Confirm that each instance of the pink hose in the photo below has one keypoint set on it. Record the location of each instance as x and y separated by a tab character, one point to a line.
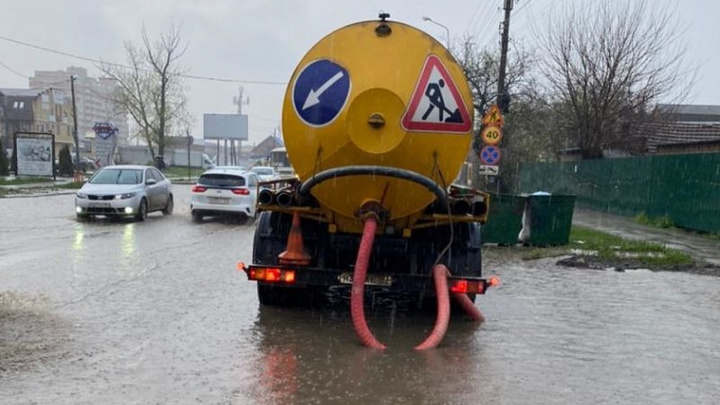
440	273
469	307
357	309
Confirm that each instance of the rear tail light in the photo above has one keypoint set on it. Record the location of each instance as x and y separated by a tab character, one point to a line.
241	191
271	275
467	286
199	189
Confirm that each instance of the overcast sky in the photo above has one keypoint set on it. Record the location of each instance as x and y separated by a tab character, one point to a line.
263	40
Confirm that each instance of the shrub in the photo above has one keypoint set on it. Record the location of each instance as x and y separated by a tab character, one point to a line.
4	170
65	167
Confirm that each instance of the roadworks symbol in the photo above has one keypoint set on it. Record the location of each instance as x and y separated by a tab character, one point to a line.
436	104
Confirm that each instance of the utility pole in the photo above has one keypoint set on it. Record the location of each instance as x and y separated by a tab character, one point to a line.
503	99
239	102
75	130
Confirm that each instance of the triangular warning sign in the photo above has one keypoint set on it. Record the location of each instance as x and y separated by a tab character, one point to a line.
436	104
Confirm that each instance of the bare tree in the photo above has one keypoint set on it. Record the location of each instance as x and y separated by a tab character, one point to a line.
607	63
482	69
526	133
150	88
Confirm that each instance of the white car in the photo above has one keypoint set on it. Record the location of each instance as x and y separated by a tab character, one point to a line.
224	191
265	173
124	191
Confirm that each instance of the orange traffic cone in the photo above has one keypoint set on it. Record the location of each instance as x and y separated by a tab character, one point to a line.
295	251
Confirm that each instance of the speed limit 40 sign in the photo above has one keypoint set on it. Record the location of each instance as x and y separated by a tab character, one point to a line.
491	135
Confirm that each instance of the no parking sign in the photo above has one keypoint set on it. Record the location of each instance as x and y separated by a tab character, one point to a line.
490	155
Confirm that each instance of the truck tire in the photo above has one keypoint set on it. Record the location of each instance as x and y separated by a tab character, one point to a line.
270	240
463	259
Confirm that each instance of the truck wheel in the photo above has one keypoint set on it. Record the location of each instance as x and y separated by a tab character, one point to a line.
464	259
268	295
270	240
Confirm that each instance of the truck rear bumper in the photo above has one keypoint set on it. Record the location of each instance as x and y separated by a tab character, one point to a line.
306	277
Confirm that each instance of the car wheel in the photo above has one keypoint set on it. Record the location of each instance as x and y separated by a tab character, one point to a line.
142	211
82	217
196	216
169	206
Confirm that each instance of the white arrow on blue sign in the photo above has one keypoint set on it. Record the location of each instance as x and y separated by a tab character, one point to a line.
320	92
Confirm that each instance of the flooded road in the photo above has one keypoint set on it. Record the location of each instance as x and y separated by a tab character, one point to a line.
155	312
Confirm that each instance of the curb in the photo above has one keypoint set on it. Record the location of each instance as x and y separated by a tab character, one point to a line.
35	195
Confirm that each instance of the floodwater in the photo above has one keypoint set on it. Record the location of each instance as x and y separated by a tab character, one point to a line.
155	312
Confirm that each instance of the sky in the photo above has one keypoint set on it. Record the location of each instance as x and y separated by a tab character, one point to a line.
263	40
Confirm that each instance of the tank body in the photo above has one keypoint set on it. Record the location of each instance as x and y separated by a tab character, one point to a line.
362	97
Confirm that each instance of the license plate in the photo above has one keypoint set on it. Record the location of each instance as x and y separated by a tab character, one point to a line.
370	279
218	200
99	205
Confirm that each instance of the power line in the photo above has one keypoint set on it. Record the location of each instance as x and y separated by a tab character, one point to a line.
472	16
47	86
13	70
87	59
521	8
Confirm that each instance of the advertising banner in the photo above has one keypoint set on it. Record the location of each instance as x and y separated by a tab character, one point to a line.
35	154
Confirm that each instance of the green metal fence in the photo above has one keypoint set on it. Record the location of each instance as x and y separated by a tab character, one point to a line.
685	188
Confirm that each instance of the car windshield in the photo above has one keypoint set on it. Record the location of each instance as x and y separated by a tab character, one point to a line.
263	171
221	180
117	176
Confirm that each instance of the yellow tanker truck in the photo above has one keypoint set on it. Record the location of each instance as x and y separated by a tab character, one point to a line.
378	120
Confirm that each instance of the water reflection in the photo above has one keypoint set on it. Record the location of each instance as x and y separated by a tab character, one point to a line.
553	335
128	244
313	356
78	238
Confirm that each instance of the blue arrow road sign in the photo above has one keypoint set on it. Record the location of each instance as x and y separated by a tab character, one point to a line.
490	155
320	92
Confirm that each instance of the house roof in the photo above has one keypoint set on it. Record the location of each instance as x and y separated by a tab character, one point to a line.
263	148
679	133
689	112
8	92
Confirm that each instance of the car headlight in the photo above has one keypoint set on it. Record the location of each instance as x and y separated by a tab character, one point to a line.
124	196
81	195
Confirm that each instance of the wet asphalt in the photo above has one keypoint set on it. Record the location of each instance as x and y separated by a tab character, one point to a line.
156	313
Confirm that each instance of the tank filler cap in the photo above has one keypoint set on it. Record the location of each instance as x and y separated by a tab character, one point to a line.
383	29
376	120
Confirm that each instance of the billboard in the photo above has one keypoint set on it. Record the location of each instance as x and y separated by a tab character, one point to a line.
225	126
35	154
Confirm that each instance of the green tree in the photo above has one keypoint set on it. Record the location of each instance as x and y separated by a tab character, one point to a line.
65	162
4	170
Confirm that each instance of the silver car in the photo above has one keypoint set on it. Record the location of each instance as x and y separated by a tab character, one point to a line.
125	191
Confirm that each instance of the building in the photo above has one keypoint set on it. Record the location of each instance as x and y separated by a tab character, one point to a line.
689	113
17	113
28	110
683	128
92	98
263	149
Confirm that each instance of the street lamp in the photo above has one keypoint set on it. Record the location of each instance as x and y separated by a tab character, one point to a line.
447	31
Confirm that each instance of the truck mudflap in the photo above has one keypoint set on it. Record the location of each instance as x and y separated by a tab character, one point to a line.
304	277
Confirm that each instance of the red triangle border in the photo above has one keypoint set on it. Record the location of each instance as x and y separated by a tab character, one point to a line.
419	92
